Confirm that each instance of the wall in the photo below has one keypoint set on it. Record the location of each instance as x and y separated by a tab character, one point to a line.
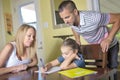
6	9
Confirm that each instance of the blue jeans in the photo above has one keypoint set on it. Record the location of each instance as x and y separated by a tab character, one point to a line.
112	56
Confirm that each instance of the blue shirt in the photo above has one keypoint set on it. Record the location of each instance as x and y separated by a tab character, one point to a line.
79	62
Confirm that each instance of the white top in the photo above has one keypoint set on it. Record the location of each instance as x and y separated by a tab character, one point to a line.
13	59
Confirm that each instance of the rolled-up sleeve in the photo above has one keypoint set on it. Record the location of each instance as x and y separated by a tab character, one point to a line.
79	63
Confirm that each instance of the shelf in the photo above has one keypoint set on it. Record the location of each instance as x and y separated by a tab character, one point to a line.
63	37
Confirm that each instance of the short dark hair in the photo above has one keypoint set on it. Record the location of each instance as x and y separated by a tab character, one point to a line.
71	43
67	4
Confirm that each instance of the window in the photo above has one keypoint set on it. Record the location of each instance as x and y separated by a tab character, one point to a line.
28	14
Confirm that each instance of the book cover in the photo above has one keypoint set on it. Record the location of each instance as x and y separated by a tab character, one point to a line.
77	72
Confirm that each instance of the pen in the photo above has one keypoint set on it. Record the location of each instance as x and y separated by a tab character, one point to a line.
42	63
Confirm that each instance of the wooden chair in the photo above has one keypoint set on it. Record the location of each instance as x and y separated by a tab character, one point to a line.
93	55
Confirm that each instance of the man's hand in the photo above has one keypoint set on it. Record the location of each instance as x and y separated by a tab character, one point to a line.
105	44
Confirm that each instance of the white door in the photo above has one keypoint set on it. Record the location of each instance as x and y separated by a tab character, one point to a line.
19	8
2	28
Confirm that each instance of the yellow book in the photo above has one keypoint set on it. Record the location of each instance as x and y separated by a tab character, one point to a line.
77	72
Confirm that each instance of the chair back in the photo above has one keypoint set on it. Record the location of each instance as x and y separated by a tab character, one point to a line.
93	55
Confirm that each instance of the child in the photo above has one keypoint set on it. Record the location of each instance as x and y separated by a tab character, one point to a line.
70	57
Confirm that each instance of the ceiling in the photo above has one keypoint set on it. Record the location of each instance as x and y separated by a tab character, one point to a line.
109	5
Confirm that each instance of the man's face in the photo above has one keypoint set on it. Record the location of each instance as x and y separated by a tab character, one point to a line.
68	16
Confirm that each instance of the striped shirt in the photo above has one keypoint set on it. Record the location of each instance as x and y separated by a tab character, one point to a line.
93	27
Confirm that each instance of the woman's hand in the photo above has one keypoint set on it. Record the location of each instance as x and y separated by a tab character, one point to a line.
20	68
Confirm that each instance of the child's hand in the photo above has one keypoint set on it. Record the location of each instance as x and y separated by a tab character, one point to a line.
71	54
77	57
43	69
67	55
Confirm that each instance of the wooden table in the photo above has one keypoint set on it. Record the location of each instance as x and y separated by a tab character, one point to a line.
31	75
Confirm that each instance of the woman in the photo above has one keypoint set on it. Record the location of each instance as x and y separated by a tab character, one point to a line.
19	54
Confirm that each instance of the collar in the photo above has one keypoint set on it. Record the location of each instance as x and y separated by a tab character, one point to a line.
82	20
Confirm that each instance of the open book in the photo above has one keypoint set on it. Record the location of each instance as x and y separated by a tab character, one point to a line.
77	72
52	70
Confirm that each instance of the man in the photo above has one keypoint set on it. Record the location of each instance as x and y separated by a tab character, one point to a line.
93	27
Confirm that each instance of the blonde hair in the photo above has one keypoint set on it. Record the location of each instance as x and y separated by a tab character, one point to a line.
19	41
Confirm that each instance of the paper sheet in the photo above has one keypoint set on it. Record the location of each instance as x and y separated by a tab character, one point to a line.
52	70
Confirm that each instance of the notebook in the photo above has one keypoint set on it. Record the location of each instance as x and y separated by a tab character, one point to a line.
52	70
77	72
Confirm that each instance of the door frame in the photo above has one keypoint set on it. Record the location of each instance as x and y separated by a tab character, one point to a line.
2	32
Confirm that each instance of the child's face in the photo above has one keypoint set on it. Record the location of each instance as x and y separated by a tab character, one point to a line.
66	51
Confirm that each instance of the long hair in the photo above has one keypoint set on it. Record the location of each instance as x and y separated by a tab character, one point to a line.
71	43
68	5
19	38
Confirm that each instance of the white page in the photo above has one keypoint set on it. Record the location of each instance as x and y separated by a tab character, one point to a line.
52	70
